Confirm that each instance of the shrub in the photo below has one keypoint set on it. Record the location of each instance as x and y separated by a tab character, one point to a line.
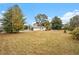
75	33
65	31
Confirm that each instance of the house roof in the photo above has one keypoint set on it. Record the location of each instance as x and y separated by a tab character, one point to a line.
36	24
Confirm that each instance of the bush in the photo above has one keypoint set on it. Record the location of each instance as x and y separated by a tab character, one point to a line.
26	27
65	31
75	33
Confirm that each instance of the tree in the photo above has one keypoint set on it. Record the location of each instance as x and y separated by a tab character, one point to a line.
56	23
66	26
46	24
13	19
41	18
26	27
30	27
74	22
75	33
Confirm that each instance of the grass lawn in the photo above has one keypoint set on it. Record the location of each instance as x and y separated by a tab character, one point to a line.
38	42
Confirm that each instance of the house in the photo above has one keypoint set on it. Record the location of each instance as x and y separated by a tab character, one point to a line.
37	26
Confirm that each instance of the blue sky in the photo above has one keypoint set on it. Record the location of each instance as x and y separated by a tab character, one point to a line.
30	10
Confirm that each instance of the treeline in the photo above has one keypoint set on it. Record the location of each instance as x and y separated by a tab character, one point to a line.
14	20
55	24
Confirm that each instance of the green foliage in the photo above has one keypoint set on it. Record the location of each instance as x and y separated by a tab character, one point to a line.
13	20
65	31
46	24
75	33
74	22
66	26
56	23
41	18
25	27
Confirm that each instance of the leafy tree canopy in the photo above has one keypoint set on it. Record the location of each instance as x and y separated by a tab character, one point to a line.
13	20
56	23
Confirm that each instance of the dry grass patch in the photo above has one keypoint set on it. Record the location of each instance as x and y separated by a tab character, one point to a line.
38	42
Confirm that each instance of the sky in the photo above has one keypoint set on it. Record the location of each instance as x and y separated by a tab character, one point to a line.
63	10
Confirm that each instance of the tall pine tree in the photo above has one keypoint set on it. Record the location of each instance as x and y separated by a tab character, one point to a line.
13	20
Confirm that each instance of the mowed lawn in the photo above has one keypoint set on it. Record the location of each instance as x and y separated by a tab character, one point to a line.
38	42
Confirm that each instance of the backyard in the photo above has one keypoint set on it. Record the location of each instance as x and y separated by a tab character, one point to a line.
38	42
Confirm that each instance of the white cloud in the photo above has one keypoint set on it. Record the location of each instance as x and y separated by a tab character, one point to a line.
1	16
66	17
2	12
